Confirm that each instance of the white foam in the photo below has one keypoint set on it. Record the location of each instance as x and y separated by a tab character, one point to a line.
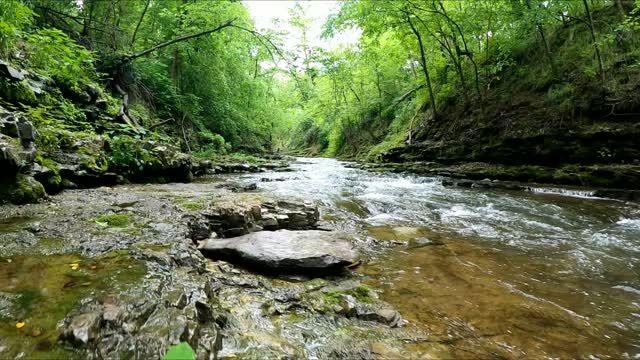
383	219
627	289
564	192
629	223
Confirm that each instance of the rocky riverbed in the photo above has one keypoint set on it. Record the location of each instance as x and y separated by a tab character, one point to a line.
362	265
116	272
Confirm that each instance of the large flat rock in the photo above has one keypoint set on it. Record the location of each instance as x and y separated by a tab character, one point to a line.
285	250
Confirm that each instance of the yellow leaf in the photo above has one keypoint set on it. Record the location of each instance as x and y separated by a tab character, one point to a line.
20	324
74	266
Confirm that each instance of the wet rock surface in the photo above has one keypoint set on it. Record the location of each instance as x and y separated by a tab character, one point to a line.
116	273
286	251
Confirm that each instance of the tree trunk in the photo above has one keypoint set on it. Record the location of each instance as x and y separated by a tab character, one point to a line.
467	52
123	113
547	49
408	94
174	68
432	97
184	134
595	41
135	32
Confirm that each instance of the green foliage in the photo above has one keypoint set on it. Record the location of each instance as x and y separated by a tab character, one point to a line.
128	154
115	220
632	20
356	106
182	351
415	66
562	97
51	52
14	18
211	145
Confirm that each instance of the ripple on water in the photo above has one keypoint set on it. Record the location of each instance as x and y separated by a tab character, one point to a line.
567	258
382	219
627	289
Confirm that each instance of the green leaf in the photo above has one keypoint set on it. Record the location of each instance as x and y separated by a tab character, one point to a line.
182	351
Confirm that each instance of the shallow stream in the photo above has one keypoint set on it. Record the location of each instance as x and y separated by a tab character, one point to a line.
485	272
477	273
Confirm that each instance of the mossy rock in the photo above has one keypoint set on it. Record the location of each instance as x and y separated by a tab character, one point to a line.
17	92
115	220
21	189
51	180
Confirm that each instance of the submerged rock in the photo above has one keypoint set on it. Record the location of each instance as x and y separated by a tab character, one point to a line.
286	251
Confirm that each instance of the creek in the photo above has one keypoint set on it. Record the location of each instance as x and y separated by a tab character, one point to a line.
475	273
545	274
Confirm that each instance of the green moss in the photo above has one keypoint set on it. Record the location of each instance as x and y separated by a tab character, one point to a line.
153	247
332	297
17	92
93	158
362	293
53	136
193	206
53	183
132	231
118	254
21	189
115	220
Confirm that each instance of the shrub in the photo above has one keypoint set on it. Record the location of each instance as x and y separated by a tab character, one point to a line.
14	17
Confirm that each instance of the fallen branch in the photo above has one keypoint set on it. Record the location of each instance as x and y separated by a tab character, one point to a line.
161	123
408	94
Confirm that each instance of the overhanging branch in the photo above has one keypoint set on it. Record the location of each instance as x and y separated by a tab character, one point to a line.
173	41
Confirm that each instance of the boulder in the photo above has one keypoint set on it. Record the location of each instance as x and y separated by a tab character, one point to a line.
81	328
286	251
20	189
17	147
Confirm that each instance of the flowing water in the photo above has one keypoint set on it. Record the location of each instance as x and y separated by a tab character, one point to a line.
487	273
